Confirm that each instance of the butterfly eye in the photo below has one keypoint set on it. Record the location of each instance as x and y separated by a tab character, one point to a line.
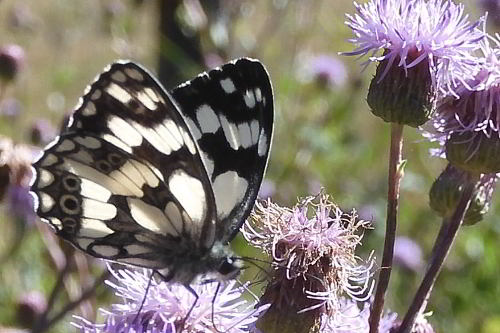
228	268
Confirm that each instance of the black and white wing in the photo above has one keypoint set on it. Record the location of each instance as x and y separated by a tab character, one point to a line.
144	178
125	180
229	111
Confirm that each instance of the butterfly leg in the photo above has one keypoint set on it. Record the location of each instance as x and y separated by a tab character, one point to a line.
144	298
196	297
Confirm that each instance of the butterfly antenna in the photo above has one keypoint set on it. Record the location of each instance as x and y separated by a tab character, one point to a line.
144	298
253	260
288	269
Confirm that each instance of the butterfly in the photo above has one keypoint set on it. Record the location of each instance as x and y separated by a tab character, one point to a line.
157	179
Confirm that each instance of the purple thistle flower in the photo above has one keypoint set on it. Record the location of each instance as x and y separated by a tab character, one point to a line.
20	203
408	254
42	131
325	69
312	247
409	32
166	305
425	51
468	127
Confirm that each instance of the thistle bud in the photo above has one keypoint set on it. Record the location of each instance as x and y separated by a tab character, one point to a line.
446	191
402	95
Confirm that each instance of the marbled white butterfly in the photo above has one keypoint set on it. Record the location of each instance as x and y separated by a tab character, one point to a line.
160	180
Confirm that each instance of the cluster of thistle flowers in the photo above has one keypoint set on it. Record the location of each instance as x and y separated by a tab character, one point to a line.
441	72
316	281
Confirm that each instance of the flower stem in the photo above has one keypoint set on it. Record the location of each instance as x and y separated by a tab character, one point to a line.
44	324
396	168
446	236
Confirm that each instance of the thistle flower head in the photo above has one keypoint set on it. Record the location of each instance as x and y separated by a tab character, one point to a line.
166	306
412	31
424	49
468	126
324	69
312	247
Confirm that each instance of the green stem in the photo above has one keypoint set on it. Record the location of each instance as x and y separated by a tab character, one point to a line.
444	241
396	166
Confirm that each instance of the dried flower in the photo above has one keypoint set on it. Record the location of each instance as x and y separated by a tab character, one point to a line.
312	247
166	306
11	61
468	126
426	48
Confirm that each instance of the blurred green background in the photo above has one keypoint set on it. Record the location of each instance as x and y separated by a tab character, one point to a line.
324	133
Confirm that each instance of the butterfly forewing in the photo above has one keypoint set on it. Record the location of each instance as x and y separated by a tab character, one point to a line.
229	110
144	178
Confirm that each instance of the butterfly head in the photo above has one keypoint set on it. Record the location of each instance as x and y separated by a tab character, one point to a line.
226	265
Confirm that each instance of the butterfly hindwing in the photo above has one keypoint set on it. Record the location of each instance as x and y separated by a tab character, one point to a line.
108	203
229	110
